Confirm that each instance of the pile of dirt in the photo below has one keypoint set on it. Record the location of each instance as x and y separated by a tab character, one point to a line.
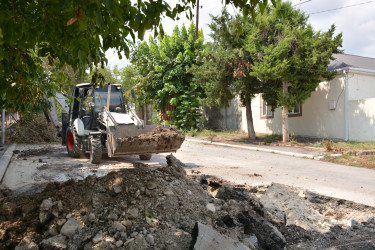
163	208
135	208
33	129
160	139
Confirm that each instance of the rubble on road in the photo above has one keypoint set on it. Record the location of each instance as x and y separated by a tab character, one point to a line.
33	129
163	208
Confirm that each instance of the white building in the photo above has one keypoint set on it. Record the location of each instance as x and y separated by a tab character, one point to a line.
343	108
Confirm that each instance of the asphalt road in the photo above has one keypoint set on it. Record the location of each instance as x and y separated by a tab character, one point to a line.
240	166
245	166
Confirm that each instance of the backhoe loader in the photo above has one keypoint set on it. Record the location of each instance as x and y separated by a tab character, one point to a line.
100	122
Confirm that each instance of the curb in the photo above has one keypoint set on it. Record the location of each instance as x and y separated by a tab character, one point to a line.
255	149
5	159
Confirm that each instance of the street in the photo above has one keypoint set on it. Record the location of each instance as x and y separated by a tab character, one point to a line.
232	164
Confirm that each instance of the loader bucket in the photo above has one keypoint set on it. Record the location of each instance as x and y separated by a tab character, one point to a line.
129	139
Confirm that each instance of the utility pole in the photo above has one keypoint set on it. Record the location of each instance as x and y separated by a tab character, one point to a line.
196	21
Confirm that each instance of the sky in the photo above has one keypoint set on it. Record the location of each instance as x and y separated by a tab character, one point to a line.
354	18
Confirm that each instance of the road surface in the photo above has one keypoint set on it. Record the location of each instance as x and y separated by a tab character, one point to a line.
240	166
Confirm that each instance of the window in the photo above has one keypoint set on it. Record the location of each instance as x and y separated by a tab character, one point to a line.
296	111
265	110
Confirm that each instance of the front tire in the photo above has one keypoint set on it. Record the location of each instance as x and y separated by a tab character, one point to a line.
146	157
96	150
73	143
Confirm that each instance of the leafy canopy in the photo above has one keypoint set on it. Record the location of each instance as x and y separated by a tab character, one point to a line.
284	47
164	65
76	33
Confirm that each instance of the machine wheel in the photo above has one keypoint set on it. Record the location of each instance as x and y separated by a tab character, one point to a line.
145	157
73	143
96	150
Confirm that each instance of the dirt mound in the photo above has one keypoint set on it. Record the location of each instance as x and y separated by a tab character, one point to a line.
160	139
135	208
163	208
31	130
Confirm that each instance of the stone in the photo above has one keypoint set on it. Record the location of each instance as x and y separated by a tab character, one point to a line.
27	244
60	222
113	216
211	207
151	185
168	193
228	221
133	212
98	237
128	242
71	227
118	226
117	188
9	210
91	217
137	193
126	223
55	242
189	192
150	239
46	204
356	225
60	206
43	217
119	243
52	230
206	238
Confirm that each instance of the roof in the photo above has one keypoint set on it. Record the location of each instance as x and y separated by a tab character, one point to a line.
345	60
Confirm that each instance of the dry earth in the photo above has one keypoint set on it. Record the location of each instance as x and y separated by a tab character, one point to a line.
145	208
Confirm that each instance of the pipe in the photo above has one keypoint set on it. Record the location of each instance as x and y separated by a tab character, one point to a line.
346	107
109	96
3	127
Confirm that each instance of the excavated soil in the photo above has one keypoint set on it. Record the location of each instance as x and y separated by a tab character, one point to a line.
31	130
160	139
144	208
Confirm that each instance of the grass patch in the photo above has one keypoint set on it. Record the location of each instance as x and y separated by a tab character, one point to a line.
352	145
209	133
365	161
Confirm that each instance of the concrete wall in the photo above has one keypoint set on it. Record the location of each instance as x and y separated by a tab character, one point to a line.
361	102
316	120
224	118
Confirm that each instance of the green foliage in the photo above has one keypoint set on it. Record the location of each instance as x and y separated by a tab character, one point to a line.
284	47
268	140
226	67
75	33
128	76
165	78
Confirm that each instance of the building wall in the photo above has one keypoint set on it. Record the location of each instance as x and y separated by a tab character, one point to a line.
224	118
361	107
317	118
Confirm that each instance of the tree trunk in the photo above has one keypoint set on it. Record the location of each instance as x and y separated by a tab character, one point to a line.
249	119
285	115
149	114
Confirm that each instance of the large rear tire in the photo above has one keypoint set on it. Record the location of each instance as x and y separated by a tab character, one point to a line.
146	157
73	143
96	150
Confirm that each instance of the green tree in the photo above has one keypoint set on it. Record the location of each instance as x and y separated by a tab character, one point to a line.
290	56
128	76
225	71
77	33
165	76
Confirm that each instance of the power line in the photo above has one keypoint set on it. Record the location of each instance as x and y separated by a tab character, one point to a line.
302	2
353	5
